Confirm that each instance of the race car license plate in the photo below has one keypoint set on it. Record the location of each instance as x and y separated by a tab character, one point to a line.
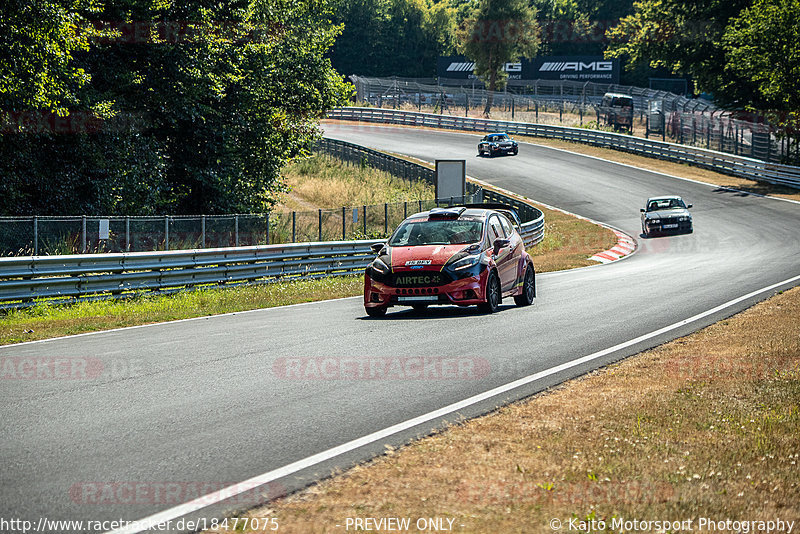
670	226
421	298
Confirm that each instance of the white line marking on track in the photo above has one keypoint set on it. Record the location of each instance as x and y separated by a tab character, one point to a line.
270	476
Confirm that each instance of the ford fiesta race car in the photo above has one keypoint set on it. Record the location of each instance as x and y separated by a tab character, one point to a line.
460	255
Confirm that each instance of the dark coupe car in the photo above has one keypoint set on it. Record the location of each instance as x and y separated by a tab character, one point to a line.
494	144
459	255
666	214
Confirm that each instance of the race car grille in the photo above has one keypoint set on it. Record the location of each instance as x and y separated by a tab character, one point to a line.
419	279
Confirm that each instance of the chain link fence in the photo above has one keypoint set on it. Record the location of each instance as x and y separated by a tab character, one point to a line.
693	122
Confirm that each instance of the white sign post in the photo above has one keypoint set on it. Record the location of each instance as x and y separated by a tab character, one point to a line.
103	229
451	179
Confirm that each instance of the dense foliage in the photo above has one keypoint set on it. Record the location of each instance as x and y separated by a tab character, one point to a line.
162	107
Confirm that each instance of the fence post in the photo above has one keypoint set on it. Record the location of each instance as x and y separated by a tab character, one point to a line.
267	228
166	232
320	224
203	231
344	224
420	205
385	217
405	210
294	226
236	230
365	222
35	235
83	234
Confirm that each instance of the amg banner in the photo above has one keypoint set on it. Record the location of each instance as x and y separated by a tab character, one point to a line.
575	68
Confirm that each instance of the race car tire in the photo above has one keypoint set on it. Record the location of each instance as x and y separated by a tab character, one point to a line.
493	295
528	289
376	312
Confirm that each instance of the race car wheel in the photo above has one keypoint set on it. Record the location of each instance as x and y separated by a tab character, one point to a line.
528	289
376	312
516	151
493	295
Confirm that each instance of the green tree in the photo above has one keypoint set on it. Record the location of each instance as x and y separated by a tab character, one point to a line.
500	31
38	40
202	105
683	36
762	45
392	37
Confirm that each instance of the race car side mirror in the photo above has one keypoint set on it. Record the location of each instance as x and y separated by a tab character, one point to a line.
376	247
688	206
500	243
642	210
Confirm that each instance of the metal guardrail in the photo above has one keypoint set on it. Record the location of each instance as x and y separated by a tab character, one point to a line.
27	279
75	276
749	168
360	155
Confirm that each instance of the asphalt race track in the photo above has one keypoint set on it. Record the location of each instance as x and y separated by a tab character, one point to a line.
170	409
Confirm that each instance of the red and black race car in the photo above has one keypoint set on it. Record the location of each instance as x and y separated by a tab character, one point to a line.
459	255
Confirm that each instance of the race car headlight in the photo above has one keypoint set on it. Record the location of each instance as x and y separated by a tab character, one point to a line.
654	221
683	219
380	266
466	262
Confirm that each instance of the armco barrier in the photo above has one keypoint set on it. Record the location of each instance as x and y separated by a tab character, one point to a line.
749	168
24	279
76	276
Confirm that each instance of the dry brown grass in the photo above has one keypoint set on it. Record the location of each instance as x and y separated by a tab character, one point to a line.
569	242
707	426
321	182
675	169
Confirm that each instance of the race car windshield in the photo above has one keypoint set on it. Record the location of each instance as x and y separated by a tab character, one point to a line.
496	138
440	232
666	204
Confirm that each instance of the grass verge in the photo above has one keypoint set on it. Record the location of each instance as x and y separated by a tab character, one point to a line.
706	427
323	182
48	321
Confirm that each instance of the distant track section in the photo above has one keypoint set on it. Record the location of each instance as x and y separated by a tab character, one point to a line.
749	168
